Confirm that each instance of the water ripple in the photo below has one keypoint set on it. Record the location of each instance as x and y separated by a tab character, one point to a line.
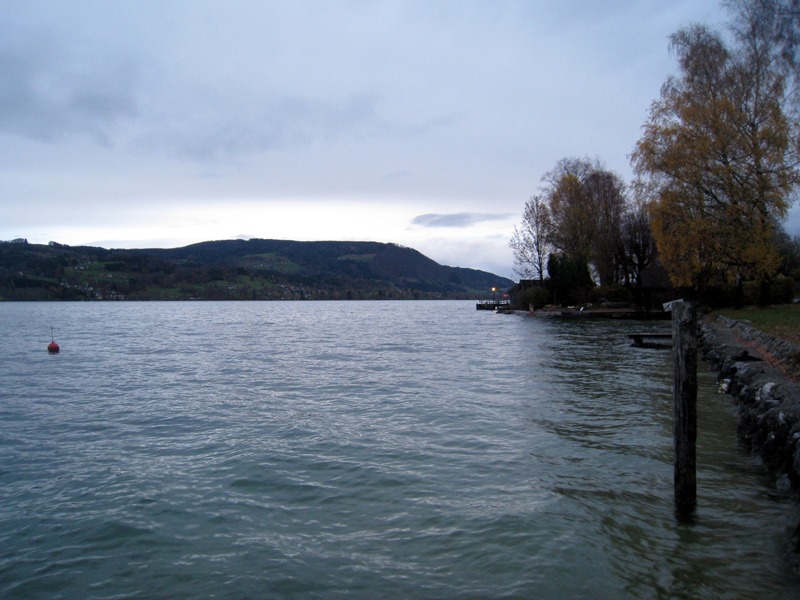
358	450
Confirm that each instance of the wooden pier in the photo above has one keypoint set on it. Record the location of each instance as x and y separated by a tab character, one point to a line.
493	305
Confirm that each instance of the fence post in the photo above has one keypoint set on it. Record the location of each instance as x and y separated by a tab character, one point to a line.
684	353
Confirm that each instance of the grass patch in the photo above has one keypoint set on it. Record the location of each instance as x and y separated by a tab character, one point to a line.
781	321
358	257
271	263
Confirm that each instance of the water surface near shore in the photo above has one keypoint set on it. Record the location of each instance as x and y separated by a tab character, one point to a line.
361	450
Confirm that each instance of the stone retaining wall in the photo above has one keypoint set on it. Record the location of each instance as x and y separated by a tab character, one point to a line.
756	369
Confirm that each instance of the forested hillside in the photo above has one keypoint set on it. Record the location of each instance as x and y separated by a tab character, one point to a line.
234	270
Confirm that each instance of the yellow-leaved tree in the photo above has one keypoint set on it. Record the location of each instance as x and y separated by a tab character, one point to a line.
721	155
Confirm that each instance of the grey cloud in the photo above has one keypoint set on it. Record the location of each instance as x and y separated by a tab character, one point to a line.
221	128
458	220
43	96
48	93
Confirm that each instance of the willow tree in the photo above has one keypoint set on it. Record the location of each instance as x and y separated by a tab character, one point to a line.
572	222
722	157
587	204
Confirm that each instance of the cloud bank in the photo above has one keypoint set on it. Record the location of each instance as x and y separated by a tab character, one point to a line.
457	220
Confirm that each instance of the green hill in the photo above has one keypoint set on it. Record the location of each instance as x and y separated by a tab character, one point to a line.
234	270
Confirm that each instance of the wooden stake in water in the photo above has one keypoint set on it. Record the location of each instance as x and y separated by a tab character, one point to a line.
684	353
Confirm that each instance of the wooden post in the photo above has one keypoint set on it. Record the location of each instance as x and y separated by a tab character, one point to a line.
684	352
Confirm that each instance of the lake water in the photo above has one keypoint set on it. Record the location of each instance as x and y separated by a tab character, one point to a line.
361	450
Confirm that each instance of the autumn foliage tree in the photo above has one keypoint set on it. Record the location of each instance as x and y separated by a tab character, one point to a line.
578	215
572	224
721	154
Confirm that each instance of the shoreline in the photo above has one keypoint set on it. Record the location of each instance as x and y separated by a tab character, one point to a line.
757	371
760	373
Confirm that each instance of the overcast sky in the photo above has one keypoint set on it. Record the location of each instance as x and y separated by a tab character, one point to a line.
427	123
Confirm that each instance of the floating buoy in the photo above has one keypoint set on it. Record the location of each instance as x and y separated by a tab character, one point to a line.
52	347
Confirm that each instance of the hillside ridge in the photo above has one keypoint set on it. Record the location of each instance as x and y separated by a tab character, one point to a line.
254	269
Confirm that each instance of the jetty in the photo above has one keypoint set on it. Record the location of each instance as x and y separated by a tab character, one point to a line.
493	305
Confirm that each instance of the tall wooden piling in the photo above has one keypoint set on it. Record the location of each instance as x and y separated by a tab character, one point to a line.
684	352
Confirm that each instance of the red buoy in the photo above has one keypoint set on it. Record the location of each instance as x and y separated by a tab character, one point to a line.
52	347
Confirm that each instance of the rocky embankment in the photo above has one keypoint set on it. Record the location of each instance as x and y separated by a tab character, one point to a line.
760	372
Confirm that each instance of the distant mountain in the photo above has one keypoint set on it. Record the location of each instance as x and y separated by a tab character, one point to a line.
234	270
